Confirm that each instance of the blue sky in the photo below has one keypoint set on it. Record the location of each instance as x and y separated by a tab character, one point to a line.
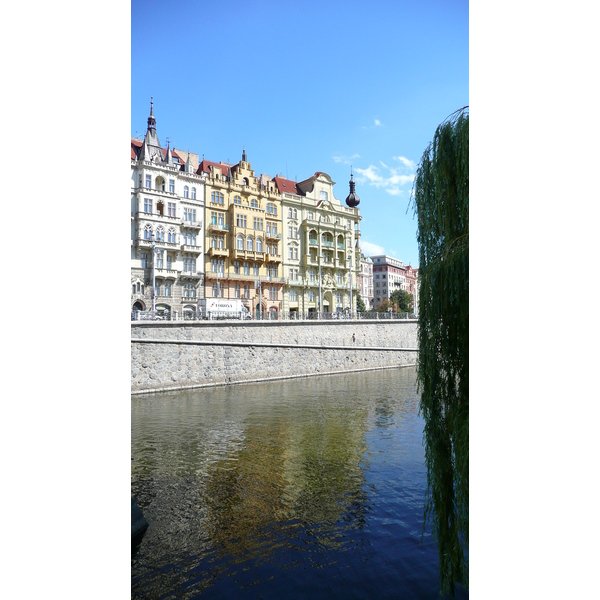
306	87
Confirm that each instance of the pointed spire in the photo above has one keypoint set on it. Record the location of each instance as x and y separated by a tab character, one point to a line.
151	119
152	148
352	200
244	159
169	155
188	164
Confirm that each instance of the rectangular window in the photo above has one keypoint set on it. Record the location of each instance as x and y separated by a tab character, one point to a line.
237	290
246	291
236	267
144	258
171	209
168	289
147	205
258	223
172	186
148	181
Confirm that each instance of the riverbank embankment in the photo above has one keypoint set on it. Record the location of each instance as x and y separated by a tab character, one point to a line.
179	355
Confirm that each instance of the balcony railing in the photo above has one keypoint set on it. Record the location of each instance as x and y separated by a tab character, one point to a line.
218	251
191	275
191	248
191	224
218	227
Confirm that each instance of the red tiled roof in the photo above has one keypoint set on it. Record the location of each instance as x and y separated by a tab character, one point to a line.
205	165
135	143
285	185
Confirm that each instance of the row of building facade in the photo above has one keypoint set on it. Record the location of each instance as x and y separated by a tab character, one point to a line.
202	229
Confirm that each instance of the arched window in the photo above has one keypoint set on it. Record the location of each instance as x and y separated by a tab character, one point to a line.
253	202
160	234
250	244
237	200
148	232
193	193
240	242
171	236
259	245
186	191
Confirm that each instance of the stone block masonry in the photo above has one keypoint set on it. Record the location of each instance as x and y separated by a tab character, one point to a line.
178	355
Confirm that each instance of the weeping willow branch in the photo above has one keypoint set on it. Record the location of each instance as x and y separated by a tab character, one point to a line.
441	203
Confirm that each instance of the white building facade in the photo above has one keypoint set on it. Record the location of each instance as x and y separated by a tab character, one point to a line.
321	260
167	238
365	282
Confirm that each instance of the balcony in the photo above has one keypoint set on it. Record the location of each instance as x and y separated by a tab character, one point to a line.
247	255
190	248
191	224
166	273
218	227
273	258
272	235
218	252
193	275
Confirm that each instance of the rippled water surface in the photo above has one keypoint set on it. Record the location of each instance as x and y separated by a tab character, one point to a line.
311	488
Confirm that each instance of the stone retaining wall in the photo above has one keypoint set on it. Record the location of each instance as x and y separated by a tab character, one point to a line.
176	355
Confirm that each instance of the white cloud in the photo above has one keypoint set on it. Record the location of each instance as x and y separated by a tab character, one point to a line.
391	179
345	160
369	249
406	162
377	123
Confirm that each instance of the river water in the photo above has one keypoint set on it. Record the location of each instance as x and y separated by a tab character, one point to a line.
309	488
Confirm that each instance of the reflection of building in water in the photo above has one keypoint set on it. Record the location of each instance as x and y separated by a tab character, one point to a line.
242	470
303	471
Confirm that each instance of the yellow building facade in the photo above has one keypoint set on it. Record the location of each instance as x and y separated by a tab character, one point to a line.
243	237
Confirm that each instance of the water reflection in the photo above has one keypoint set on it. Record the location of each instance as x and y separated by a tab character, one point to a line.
279	488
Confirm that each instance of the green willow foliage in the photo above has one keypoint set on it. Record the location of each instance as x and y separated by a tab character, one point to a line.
441	203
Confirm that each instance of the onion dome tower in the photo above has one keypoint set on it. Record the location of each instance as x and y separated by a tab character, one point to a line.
352	200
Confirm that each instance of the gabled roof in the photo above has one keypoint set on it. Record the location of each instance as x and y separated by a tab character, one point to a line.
135	146
286	185
205	166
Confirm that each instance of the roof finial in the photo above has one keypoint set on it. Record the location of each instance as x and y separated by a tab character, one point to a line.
244	154
352	200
